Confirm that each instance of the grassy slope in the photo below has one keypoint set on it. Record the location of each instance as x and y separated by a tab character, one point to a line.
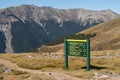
77	65
107	35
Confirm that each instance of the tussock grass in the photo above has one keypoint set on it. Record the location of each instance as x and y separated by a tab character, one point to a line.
83	74
40	63
17	72
21	75
25	77
77	65
1	64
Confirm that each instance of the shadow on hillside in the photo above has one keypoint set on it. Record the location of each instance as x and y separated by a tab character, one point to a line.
95	67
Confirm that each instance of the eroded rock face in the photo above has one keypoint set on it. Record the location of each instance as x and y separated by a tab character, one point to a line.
26	27
6	31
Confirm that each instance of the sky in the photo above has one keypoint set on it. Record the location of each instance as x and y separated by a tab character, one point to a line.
114	5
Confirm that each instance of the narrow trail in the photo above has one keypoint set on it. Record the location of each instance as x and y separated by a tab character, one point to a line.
56	75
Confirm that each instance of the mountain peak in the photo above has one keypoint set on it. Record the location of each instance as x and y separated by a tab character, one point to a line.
27	27
29	5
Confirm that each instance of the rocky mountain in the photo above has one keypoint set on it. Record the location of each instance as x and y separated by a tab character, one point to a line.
104	36
26	27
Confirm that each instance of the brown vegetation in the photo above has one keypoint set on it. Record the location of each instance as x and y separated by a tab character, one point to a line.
106	61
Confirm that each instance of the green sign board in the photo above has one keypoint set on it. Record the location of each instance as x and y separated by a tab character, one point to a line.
75	47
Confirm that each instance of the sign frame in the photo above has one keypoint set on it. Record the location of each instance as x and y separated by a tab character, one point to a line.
67	51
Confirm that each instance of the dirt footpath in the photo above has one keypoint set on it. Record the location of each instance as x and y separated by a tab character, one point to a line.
56	75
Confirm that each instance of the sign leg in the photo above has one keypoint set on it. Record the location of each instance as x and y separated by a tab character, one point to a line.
88	56
65	54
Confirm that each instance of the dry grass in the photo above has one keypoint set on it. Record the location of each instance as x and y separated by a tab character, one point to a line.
50	49
25	77
21	75
77	65
1	65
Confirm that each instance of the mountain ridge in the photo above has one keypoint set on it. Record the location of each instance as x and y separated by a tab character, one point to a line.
27	27
106	37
